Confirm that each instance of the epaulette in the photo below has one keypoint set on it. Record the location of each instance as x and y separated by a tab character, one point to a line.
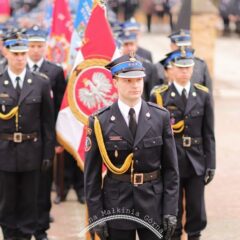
199	59
161	89
100	111
41	75
201	87
156	106
53	64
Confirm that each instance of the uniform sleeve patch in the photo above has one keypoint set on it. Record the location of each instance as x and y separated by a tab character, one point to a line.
88	144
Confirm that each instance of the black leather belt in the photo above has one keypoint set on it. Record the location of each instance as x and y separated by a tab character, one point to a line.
18	137
188	141
136	178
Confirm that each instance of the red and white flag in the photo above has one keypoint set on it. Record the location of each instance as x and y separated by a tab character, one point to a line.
90	85
60	36
4	8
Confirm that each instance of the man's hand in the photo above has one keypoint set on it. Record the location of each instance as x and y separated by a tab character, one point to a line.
59	149
169	225
101	230
209	175
46	164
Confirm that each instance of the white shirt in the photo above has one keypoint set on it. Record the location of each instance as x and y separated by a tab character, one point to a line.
13	77
180	88
31	63
124	109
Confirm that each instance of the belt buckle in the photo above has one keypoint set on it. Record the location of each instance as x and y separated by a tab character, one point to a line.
138	179
187	141
17	137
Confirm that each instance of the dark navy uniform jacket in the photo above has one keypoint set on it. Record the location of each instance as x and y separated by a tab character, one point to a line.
56	77
35	115
199	124
153	149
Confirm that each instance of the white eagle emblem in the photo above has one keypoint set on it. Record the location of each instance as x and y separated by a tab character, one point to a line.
97	93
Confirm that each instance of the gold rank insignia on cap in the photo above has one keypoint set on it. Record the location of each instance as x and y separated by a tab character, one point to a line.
6	82
173	94
183	52
132	57
182	32
29	80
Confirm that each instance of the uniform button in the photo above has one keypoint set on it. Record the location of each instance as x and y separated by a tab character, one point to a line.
136	148
186	126
20	127
34	99
136	161
154	142
19	115
115	146
186	117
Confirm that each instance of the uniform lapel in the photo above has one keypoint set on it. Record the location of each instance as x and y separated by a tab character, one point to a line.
192	100
8	86
27	86
143	123
119	124
43	68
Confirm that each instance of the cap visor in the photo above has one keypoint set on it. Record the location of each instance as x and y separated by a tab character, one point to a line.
36	39
132	74
184	63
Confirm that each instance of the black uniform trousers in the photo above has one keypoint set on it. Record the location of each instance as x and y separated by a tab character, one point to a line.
119	234
18	203
73	175
44	202
196	221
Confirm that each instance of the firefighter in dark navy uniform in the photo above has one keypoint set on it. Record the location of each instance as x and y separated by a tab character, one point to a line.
200	71
129	44
192	120
132	26
37	63
134	140
26	139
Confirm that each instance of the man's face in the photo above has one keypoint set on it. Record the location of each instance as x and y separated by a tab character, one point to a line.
129	47
129	89
36	50
182	75
16	61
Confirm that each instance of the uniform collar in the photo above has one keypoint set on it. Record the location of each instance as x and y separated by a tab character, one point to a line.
180	88
13	76
124	109
31	63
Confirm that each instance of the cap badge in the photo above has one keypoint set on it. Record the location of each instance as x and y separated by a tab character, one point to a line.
132	57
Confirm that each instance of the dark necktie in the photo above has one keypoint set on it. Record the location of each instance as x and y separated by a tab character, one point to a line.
184	97
18	88
132	122
35	67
